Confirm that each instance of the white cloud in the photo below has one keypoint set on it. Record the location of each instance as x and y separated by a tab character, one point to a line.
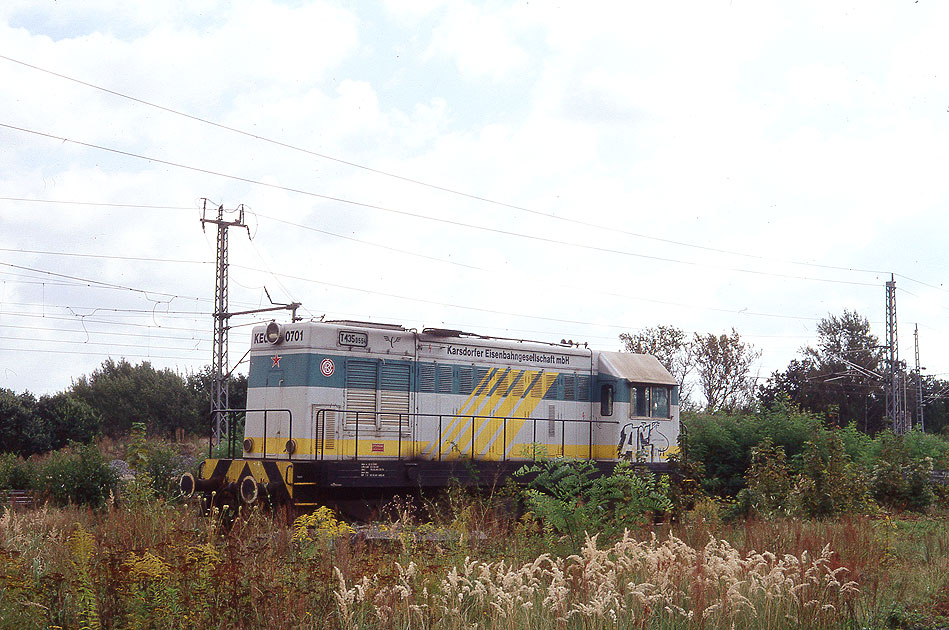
784	132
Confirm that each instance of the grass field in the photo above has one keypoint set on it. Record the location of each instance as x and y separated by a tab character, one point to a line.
465	563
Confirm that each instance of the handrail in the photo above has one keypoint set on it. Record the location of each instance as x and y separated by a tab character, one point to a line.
231	420
232	415
472	418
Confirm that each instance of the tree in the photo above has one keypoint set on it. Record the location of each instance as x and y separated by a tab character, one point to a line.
200	384
724	364
122	393
20	432
29	426
838	378
68	418
672	347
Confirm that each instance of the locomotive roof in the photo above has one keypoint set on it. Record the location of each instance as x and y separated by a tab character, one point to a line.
636	368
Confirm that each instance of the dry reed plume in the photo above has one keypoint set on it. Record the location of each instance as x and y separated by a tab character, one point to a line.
632	583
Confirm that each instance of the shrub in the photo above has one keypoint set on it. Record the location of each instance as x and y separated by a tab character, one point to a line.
829	483
16	473
900	481
160	461
80	476
769	484
571	497
723	443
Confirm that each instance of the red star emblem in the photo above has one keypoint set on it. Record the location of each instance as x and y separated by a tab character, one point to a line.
276	361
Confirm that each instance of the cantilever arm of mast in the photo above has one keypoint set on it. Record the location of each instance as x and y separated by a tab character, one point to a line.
293	306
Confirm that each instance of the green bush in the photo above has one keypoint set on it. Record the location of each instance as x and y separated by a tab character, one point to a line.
769	484
77	475
723	443
829	483
159	461
16	473
901	481
571	497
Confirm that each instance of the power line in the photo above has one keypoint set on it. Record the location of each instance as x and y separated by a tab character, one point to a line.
102	343
96	282
538	317
319	231
104	256
97	354
452	222
138	311
275	275
612	228
107	333
96	203
309	228
34	316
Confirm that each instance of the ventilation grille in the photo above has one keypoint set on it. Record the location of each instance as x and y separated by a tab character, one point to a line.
583	388
426	378
444	379
394	397
324	429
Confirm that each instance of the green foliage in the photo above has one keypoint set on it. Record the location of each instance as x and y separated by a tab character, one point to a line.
69	419
769	484
899	480
862	449
158	462
724	363
29	426
921	445
829	483
16	473
138	493
124	394
824	380
81	545
571	497
77	476
722	444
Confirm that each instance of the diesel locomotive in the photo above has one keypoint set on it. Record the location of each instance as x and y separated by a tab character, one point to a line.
348	410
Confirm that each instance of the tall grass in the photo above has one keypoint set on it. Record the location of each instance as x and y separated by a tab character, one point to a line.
163	566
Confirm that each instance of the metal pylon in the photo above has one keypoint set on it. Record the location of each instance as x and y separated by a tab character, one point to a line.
895	401
219	369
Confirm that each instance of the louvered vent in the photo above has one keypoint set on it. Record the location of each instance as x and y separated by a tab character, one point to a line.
550	386
394	396
465	380
444	379
426	377
361	391
583	388
537	386
324	429
517	390
481	379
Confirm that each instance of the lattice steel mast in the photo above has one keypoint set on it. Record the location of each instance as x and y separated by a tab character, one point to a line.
219	369
919	384
895	400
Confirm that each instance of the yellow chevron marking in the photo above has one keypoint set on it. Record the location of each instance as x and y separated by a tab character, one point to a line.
486	408
473	406
513	405
527	407
477	392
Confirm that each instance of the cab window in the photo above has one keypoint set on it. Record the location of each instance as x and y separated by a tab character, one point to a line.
660	402
649	402
606	400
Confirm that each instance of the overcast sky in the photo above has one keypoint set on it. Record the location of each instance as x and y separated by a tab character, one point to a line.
523	170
